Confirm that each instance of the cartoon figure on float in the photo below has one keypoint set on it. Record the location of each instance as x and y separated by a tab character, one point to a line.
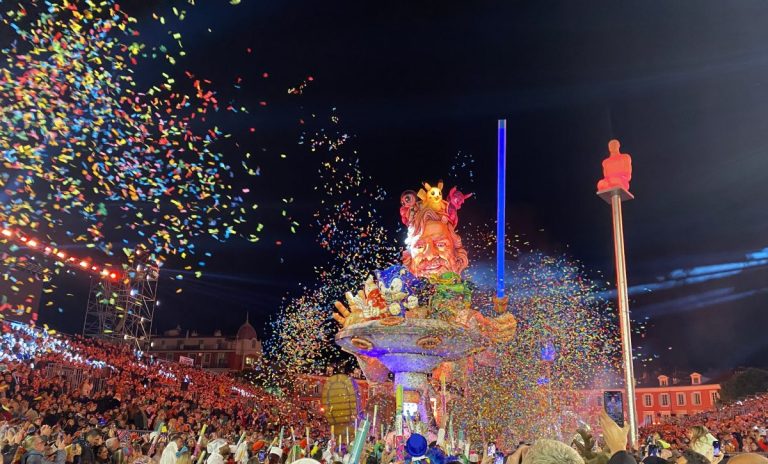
428	284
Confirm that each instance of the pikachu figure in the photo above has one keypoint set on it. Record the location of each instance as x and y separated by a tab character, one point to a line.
432	197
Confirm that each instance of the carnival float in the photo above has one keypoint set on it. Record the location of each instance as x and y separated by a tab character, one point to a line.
417	320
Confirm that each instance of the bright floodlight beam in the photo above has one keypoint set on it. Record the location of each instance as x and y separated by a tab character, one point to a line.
501	191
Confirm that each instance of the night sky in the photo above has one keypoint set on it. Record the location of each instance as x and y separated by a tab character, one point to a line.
683	85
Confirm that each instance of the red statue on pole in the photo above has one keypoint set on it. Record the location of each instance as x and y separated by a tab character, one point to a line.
617	169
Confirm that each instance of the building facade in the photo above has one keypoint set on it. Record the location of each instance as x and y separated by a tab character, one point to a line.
675	397
217	352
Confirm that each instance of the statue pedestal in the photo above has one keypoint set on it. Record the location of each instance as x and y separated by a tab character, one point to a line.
411	349
606	195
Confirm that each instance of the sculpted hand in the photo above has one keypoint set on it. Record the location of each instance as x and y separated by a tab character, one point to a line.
503	328
348	316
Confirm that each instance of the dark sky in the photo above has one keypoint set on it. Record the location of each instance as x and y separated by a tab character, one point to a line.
683	85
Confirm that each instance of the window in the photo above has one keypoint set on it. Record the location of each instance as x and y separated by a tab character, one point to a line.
664	399
648	419
697	398
695	379
253	344
681	399
648	400
715	397
663	380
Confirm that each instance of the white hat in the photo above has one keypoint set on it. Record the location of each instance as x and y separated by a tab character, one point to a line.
276	451
473	457
306	461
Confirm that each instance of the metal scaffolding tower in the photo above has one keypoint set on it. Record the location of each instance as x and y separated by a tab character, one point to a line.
122	311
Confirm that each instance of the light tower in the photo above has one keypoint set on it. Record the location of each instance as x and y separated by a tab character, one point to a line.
122	311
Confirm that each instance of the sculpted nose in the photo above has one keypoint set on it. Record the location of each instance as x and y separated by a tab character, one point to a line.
429	252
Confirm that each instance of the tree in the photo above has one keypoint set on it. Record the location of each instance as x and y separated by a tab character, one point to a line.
745	383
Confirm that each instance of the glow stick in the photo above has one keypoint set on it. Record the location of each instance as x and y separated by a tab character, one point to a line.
347	435
375	413
280	443
443	396
399	411
308	441
357	447
202	455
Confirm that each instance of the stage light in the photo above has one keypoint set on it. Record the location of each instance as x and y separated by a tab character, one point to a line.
113	275
61	255
32	243
83	264
7	232
24	239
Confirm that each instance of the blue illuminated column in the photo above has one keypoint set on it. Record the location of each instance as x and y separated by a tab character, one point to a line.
500	206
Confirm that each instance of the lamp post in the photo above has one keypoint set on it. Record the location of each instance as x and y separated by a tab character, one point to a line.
614	189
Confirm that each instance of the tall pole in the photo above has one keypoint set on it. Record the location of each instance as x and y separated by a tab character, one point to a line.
501	193
615	196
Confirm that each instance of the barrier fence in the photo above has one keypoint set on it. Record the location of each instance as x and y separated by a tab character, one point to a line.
74	376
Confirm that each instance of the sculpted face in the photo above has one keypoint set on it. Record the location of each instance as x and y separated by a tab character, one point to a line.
434	252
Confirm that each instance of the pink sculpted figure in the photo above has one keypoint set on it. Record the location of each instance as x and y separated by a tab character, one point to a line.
455	200
407	206
617	169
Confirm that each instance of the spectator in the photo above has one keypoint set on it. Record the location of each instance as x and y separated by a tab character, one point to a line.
102	455
38	453
748	458
546	451
692	457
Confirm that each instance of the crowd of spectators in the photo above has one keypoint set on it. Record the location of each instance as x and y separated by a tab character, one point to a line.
738	427
123	408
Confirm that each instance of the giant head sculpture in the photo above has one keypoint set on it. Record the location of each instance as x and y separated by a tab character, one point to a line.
433	247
